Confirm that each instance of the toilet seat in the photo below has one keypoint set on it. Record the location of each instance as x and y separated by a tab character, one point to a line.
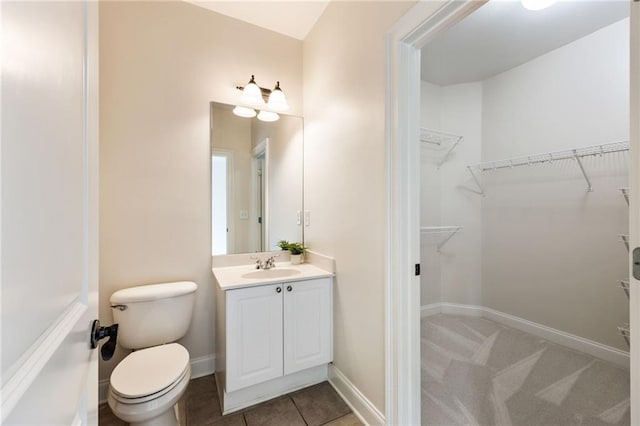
149	373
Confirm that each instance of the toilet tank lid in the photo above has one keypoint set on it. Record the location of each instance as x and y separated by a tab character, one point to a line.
144	293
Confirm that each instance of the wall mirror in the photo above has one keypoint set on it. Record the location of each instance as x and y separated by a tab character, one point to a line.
256	181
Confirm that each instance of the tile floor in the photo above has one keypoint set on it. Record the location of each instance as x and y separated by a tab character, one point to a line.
313	406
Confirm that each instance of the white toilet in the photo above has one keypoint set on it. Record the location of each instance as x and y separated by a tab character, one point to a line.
145	386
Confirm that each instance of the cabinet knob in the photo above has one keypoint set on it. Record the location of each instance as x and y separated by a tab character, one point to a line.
278	289
289	288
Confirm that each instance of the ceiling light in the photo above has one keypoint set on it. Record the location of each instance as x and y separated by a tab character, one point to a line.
251	93
245	112
268	116
537	4
277	100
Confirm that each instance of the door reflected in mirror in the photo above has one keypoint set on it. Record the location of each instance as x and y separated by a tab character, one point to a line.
256	181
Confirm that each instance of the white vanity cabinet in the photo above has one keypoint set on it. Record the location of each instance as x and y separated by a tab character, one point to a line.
254	335
275	337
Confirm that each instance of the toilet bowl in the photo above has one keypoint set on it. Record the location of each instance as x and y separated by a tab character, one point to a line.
147	384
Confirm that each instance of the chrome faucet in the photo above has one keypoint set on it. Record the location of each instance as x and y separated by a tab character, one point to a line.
270	263
267	264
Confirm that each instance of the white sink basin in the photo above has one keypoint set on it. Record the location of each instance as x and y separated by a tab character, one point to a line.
271	273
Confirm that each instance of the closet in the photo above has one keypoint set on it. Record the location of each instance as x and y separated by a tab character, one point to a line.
524	219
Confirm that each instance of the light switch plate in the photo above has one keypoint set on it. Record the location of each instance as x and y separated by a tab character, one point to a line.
307	218
298	218
244	214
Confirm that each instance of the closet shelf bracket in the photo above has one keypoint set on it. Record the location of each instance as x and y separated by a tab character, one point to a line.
449	230
441	139
625	332
625	194
625	240
477	181
584	173
624	285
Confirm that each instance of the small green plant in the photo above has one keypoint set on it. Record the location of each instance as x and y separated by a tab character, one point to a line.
294	248
283	244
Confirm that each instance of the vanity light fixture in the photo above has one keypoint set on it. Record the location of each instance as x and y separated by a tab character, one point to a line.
277	100
537	4
251	93
268	116
241	111
258	97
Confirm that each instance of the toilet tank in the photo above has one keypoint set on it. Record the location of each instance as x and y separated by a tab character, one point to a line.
151	315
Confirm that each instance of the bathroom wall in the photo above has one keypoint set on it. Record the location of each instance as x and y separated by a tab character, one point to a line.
345	178
161	64
550	251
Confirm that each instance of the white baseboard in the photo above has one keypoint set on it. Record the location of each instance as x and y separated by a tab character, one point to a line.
359	404
569	340
200	367
203	366
432	309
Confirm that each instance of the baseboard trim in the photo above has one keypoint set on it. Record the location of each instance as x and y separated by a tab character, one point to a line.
598	350
432	309
203	366
200	367
359	404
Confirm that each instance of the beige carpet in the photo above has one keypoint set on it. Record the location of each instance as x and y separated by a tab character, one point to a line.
479	372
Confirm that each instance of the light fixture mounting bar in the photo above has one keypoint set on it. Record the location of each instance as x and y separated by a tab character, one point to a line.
265	92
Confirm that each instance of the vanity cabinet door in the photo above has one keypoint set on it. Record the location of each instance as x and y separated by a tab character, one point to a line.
307	324
254	335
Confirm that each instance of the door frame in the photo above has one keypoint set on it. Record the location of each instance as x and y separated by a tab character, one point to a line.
634	208
262	149
402	290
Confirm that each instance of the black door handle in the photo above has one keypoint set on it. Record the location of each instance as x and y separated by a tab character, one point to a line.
98	333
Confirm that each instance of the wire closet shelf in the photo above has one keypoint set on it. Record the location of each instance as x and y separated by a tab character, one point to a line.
447	231
549	157
443	140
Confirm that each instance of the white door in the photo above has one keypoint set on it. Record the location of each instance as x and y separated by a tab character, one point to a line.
254	335
307	324
48	234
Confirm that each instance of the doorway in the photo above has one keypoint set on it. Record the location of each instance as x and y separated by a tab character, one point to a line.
420	26
221	191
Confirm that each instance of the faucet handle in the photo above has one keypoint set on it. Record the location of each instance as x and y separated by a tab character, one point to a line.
259	264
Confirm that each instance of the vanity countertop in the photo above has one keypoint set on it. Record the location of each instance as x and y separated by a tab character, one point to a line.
232	277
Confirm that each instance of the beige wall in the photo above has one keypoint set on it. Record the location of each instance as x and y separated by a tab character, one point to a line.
161	63
344	110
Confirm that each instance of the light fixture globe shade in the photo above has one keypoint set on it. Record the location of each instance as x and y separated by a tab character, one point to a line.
537	4
268	116
245	112
251	94
277	100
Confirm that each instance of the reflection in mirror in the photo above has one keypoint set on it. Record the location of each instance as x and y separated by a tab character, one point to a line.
256	181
